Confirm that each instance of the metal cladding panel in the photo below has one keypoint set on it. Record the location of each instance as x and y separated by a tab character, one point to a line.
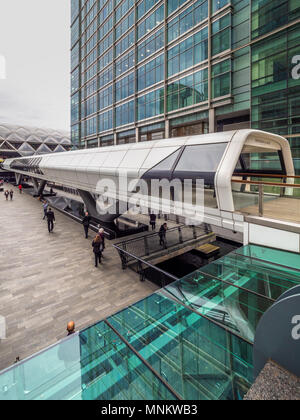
157	155
223	137
82	165
133	161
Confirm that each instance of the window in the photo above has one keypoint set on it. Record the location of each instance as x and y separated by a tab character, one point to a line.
123	8
125	87
91	87
174	4
125	43
218	4
91	126
75	108
74	9
150	45
221	38
189	52
221	79
75	32
188	91
262	162
105	77
124	25
126	137
201	158
187	19
75	80
105	121
150	73
125	114
271	14
91	105
151	104
275	93
144	6
151	21
125	63
75	134
107	141
105	59
105	97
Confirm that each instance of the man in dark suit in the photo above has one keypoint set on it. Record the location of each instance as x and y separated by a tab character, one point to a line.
86	224
51	220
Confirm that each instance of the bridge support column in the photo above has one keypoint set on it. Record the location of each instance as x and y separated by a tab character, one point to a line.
91	206
18	178
39	186
35	184
42	187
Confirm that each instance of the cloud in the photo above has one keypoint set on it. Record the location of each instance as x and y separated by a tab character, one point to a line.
35	42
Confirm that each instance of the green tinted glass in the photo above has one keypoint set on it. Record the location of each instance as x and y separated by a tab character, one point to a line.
199	359
253	275
236	308
94	365
288	261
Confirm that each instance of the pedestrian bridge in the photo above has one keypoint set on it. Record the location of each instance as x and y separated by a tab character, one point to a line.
248	178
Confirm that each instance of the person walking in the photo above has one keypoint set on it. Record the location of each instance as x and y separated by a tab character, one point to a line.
162	235
153	221
20	188
97	245
6	195
51	220
86	224
102	236
45	208
11	193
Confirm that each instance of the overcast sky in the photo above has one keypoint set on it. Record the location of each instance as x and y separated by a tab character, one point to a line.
35	41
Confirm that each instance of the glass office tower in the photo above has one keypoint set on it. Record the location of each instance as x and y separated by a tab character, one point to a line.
149	69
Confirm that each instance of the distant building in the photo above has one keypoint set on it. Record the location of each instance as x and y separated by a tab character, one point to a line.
16	141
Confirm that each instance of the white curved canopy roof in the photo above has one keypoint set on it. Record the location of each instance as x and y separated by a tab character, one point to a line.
83	169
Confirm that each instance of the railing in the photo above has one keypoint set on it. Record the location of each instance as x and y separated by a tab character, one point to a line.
262	184
267	175
147	245
141	266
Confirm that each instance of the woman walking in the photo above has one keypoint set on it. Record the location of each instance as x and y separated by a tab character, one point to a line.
97	249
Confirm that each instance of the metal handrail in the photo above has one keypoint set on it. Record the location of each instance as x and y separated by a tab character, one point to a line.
149	235
144	242
273	184
261	185
266	175
165	273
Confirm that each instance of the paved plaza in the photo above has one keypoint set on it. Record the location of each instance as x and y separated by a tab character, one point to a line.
48	280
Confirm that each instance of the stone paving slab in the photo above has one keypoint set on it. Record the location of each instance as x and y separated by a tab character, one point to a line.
48	280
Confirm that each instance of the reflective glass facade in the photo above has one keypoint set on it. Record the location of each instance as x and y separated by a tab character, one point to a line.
189	66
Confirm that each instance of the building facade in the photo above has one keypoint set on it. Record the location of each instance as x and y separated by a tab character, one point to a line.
151	69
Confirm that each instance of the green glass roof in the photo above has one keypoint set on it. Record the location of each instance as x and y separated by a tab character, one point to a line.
288	261
199	359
